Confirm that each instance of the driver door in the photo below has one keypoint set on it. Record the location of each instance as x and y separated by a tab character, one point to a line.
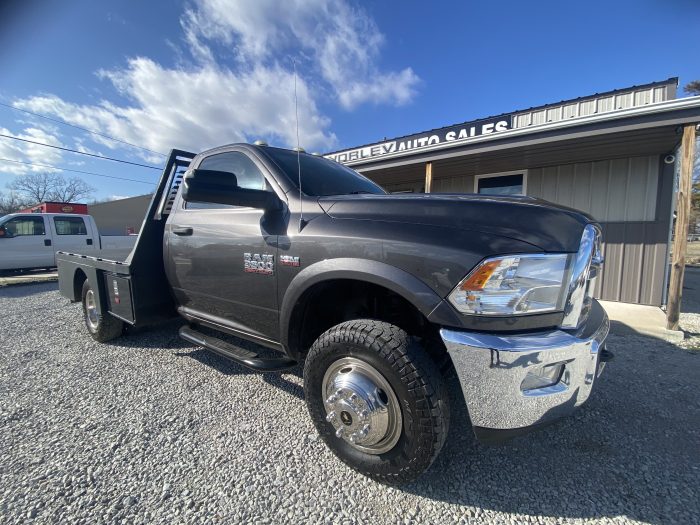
222	258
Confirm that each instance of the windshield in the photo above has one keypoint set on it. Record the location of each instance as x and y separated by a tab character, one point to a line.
321	177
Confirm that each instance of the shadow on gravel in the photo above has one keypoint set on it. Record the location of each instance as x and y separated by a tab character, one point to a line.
228	367
166	335
27	289
632	450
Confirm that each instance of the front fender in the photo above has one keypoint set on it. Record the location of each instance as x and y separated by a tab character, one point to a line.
415	291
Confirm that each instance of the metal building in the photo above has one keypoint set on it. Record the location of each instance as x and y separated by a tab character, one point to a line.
120	217
610	154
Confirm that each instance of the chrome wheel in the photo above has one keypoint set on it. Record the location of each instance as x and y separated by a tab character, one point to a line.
361	406
91	315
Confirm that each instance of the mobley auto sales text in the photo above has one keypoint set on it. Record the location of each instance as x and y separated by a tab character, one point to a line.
418	141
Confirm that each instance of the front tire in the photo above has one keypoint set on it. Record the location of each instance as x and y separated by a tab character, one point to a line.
102	328
377	399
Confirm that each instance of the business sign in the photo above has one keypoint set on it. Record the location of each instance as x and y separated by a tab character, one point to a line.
414	143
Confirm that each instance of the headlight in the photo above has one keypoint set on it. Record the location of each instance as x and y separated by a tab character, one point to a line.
513	285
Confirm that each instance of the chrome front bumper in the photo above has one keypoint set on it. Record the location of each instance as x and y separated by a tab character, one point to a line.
491	369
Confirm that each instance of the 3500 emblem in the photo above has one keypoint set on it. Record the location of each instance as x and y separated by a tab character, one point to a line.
256	263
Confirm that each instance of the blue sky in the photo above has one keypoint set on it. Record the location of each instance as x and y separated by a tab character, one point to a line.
199	73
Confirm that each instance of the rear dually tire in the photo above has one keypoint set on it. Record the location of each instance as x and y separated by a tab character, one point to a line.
102	328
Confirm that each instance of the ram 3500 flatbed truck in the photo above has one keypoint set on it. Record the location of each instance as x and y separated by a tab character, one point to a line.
381	296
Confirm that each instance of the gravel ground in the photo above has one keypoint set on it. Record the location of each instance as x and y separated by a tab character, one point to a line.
149	429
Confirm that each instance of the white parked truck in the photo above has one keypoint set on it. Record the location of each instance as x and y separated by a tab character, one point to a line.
31	240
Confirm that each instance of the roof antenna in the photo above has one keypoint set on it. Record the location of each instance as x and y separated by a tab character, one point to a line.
302	222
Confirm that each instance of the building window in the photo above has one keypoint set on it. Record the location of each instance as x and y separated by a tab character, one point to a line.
70	226
510	183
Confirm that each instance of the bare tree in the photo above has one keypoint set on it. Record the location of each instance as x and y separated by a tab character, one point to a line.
35	187
692	88
42	187
11	203
71	190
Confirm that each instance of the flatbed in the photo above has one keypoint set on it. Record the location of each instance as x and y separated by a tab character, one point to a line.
132	288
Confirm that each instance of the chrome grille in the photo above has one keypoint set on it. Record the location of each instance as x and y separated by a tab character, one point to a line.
586	264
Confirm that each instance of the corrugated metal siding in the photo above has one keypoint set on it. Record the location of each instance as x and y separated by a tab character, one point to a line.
635	253
610	190
463	184
587	107
620	193
624	99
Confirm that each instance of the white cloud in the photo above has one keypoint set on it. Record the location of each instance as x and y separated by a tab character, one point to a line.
27	152
198	109
79	145
239	85
342	41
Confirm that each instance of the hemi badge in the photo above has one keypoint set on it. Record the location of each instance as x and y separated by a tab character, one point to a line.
289	260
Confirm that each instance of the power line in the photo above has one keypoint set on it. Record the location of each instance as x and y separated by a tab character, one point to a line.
76	171
81	152
60	121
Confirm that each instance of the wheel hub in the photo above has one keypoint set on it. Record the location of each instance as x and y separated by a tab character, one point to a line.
361	406
91	310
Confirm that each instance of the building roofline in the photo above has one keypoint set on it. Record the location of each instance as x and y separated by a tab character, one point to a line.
124	199
669	106
669	81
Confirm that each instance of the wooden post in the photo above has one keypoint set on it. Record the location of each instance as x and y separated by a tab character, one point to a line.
680	242
428	177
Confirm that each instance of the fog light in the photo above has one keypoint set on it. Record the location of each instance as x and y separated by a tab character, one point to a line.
542	377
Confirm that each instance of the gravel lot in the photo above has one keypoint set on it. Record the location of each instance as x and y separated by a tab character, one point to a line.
151	429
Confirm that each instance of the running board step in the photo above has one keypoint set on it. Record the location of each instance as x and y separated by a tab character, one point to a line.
239	355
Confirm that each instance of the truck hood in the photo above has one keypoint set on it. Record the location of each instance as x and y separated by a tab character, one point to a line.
549	227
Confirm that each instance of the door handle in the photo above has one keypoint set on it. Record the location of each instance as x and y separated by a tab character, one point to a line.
47	242
186	230
88	242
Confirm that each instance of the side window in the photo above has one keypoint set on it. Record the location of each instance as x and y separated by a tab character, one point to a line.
247	175
25	226
70	225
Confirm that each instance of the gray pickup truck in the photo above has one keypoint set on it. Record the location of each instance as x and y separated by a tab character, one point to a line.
381	296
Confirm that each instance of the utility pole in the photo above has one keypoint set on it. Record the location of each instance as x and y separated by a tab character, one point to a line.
680	242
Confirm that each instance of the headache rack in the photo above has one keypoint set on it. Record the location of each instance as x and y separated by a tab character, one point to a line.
136	289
